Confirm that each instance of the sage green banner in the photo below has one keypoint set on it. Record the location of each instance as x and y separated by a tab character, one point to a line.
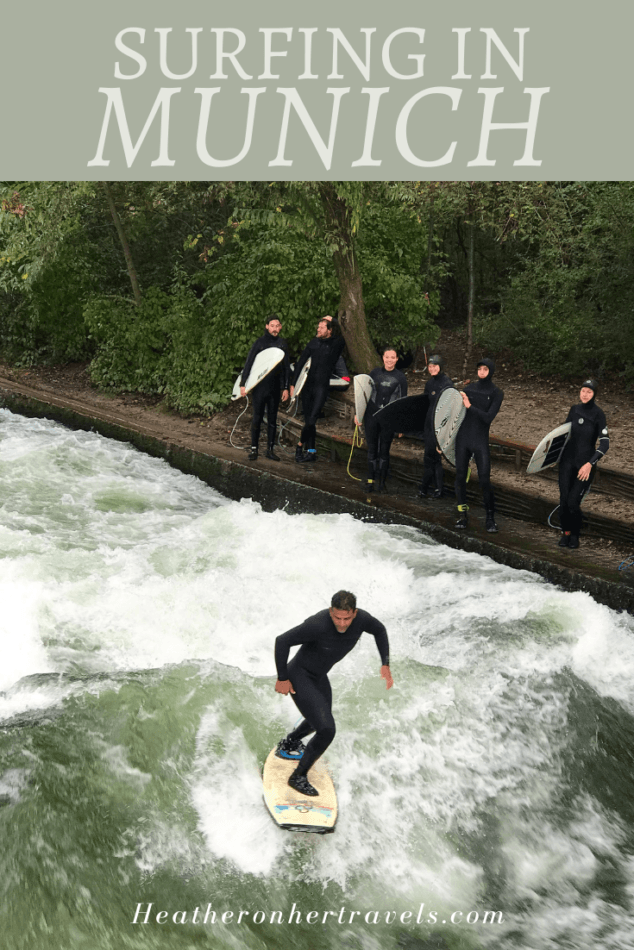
391	90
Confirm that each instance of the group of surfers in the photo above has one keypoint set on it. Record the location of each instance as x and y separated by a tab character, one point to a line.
588	442
327	637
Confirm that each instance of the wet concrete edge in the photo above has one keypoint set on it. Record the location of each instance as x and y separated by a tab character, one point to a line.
272	492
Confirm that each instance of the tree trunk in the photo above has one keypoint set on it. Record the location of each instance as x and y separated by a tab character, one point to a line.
134	280
430	238
467	352
351	314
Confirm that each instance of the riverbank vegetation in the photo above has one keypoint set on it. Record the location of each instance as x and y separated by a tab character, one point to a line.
163	286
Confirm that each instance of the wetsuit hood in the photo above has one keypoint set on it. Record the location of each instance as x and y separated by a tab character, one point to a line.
438	360
594	386
488	362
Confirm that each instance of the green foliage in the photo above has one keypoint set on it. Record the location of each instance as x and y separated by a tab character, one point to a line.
401	298
190	344
569	306
553	274
268	270
132	342
46	272
164	347
372	222
562	340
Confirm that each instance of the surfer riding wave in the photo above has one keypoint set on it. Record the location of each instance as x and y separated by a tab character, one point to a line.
324	640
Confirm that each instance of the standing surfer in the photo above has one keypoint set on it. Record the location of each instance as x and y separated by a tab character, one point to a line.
577	466
432	459
323	350
266	395
389	384
325	639
482	400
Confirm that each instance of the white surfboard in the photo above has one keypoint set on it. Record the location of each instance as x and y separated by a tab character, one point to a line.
265	361
291	810
363	389
549	450
299	385
450	412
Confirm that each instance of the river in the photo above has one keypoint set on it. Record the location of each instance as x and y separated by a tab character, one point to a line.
485	801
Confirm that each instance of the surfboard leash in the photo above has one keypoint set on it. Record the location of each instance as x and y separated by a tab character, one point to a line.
558	527
293	404
357	442
279	432
231	442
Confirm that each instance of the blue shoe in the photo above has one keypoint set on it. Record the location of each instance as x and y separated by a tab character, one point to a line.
290	749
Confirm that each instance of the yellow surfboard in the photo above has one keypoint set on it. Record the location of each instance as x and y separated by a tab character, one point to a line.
293	811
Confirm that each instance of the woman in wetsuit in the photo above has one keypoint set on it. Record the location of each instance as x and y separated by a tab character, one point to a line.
577	466
482	401
432	459
389	384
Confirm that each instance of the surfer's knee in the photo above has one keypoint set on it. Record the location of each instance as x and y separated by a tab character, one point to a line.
328	732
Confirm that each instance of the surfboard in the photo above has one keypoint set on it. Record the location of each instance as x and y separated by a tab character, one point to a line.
299	385
549	450
340	377
363	387
404	415
295	812
264	362
450	412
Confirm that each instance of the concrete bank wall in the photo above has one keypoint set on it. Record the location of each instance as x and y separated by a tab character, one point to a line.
237	481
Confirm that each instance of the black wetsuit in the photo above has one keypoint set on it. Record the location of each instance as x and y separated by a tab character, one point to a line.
321	647
588	426
432	464
266	394
324	353
388	386
473	437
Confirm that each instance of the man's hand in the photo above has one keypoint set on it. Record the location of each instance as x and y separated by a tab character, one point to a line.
584	472
285	395
466	401
285	686
243	390
386	675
